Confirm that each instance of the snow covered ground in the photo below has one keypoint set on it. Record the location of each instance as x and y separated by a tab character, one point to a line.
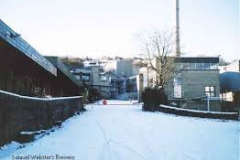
125	132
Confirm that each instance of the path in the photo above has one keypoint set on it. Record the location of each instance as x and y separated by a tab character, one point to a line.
125	132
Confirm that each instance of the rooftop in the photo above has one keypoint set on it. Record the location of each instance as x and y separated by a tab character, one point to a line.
64	69
15	40
197	60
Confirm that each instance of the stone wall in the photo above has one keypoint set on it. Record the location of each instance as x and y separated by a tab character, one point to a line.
200	114
21	113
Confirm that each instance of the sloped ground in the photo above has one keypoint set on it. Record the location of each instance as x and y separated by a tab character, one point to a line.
120	132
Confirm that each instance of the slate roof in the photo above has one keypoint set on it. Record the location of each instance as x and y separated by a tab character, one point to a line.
63	68
15	40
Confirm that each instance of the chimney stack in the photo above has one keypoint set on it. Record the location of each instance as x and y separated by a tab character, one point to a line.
178	52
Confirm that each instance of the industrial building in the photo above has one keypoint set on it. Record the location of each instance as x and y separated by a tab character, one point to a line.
196	78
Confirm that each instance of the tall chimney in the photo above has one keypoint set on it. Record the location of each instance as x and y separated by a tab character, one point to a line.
178	52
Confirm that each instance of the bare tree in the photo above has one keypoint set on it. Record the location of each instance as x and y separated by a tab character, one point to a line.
159	56
223	62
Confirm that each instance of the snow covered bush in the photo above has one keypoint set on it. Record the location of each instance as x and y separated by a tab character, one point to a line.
153	97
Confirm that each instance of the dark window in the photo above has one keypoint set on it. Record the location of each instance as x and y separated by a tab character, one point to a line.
192	66
86	78
206	65
210	91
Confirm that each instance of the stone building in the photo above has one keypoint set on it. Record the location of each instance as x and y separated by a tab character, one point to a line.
94	77
122	73
124	68
83	75
121	67
193	79
101	81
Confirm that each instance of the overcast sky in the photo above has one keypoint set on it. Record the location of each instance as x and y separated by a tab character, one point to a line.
109	27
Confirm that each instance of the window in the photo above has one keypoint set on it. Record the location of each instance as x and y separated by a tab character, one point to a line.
103	77
86	78
210	91
206	65
199	66
192	65
180	66
77	76
185	65
213	66
178	86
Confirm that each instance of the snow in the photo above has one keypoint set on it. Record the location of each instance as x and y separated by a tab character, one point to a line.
127	96
36	98
198	111
114	102
120	132
32	132
8	149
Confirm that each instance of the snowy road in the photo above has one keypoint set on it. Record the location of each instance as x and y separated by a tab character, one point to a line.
124	132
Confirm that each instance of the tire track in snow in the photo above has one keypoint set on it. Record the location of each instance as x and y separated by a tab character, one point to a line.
129	148
106	141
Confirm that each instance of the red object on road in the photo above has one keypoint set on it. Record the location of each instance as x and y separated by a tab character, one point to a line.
104	102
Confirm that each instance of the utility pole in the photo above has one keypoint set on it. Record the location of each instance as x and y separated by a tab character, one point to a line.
178	52
208	104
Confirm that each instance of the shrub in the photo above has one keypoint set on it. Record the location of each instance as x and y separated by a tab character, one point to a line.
94	95
153	97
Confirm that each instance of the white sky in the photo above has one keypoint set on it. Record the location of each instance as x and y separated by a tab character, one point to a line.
109	27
